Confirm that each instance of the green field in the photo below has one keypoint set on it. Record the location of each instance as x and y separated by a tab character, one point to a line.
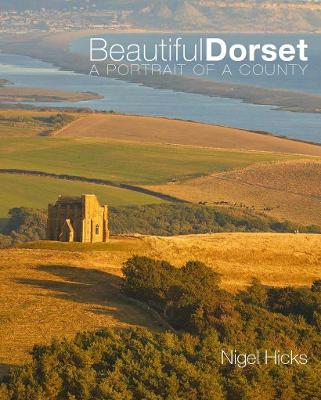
37	192
135	163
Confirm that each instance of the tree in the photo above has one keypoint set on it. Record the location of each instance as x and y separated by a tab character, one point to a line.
256	294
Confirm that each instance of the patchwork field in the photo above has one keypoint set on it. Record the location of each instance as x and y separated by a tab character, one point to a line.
56	289
191	161
285	190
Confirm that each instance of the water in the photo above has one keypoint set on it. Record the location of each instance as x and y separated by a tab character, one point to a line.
309	82
132	98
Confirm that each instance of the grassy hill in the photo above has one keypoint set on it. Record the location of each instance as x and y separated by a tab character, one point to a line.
284	190
56	289
163	130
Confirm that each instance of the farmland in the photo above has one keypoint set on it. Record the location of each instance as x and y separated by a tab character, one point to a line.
191	161
120	161
162	130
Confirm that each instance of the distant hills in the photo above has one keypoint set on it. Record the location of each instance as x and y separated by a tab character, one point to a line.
215	15
240	16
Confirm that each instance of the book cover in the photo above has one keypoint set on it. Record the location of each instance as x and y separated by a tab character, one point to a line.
160	200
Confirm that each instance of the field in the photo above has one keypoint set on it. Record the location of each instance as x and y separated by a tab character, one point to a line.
284	190
192	161
163	130
123	161
56	289
37	192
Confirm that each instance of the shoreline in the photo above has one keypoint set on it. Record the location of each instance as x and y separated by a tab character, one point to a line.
55	50
11	93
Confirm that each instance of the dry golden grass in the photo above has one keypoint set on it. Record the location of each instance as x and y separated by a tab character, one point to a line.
301	177
163	130
13	113
47	293
285	190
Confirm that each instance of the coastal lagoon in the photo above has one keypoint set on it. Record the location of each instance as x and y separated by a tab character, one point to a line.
278	74
121	96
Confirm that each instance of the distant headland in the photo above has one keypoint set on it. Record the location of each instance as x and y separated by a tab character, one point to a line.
55	49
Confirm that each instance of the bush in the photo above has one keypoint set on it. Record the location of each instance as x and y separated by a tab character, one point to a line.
57	120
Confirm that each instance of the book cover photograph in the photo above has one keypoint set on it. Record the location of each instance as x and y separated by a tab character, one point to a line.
160	200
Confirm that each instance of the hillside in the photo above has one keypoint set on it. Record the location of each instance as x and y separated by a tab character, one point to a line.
77	287
288	190
302	177
235	16
169	131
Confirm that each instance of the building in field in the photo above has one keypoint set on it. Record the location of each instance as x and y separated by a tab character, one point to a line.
78	219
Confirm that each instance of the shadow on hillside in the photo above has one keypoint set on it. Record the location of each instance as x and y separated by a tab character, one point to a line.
98	289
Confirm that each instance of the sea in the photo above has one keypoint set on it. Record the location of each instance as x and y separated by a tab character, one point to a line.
132	98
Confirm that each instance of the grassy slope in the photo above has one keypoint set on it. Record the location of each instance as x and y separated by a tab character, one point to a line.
163	130
146	129
37	192
47	293
286	190
123	161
